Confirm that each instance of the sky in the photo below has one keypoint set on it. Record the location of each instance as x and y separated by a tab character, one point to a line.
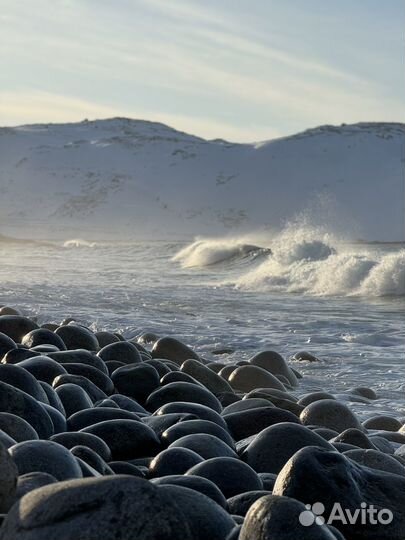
243	70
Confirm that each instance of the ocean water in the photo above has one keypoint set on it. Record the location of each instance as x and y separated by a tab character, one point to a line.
302	289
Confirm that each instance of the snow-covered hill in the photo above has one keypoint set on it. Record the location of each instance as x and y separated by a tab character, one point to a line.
131	179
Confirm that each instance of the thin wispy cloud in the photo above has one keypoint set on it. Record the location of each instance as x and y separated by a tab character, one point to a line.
234	71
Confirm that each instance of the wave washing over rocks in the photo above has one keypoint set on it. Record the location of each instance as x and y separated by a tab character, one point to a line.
107	438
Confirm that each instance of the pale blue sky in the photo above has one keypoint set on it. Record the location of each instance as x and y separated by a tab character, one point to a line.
244	70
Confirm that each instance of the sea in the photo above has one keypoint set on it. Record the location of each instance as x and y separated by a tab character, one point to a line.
298	290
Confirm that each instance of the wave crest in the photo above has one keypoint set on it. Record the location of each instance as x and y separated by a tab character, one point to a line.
78	243
209	252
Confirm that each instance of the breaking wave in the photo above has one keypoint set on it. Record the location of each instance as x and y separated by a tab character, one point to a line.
209	252
78	243
306	260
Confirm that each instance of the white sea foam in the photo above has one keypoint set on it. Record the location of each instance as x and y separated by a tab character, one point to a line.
77	243
308	260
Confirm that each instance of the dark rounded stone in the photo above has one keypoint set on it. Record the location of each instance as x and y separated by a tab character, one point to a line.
75	336
189	427
197	483
207	446
73	398
93	374
45	349
57	418
200	411
107	403
127	439
8	310
206	376
388	423
247	378
20	378
231	475
325	433
17	428
172	349
112	365
182	391
43	368
42	336
317	475
106	338
206	519
274	363
160	367
273	447
70	439
14	356
110	507
34	480
240	504
16	326
354	437
92	458
128	404
45	456
364	391
268	480
376	460
123	351
161	423
216	366
178	376
305	356
245	423
245	404
136	381
314	396
226	398
8	480
6	344
88	417
15	401
124	467
173	461
226	371
80	356
53	397
329	413
92	390
274	518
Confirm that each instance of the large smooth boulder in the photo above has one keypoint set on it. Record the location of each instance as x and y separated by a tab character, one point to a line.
110	508
43	368
173	349
173	461
231	475
273	362
137	381
123	351
280	518
188	427
6	344
316	475
17	428
206	376
247	378
331	414
182	391
245	423
43	336
273	447
15	401
206	519
45	456
16	326
75	336
199	410
207	446
127	439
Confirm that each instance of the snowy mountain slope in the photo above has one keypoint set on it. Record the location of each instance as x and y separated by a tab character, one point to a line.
131	179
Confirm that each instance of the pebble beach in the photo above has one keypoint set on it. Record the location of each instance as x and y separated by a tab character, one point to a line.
103	437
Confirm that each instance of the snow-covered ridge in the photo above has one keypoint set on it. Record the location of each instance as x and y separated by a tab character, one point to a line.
131	179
